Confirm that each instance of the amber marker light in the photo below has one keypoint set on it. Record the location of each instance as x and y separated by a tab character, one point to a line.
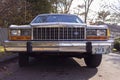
96	37
108	33
19	37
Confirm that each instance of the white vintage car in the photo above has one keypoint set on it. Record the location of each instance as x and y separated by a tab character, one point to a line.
59	35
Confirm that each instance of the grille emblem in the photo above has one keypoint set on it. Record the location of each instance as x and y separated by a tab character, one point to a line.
76	33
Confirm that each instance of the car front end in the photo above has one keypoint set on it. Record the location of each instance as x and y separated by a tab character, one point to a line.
67	36
58	37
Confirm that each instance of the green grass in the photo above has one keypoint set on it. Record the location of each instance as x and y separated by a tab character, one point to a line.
3	53
2	49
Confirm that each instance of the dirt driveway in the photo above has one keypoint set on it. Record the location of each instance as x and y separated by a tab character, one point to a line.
62	69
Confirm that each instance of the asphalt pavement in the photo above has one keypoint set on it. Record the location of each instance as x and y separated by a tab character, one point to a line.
6	57
62	69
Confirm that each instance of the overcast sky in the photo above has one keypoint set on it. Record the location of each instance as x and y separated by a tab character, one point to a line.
95	6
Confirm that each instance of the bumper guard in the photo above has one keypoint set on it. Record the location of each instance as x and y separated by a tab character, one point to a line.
96	47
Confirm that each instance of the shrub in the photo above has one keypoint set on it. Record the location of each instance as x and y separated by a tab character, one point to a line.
117	44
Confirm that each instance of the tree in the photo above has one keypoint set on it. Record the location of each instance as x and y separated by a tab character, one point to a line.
12	12
87	4
103	15
54	6
21	11
62	6
40	6
114	6
115	17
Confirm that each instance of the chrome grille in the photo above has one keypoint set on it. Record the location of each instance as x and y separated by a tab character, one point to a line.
59	33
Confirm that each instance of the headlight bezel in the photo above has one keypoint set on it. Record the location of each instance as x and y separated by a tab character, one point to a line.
25	32
20	34
101	32
15	32
96	32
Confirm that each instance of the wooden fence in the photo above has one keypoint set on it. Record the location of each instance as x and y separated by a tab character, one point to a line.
3	35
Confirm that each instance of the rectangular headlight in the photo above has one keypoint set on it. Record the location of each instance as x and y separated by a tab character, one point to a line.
101	32
96	32
20	34
91	32
15	32
25	32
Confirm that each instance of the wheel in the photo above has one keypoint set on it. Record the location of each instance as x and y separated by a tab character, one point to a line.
23	59
93	60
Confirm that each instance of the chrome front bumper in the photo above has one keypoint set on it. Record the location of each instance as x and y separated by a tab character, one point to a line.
98	47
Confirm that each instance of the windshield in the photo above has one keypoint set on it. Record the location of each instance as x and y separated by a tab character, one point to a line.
57	18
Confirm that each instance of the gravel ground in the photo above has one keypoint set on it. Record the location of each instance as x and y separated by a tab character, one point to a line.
62	69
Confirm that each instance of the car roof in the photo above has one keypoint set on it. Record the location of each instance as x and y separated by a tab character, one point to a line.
55	14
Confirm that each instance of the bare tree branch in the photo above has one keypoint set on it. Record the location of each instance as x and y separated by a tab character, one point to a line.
64	5
87	8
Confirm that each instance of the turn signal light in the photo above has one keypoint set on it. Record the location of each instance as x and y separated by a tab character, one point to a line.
20	38
97	37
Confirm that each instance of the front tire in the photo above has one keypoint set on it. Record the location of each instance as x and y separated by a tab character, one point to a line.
93	60
23	59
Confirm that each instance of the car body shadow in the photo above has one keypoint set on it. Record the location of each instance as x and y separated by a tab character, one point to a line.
54	69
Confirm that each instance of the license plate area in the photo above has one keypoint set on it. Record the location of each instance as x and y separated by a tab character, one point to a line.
99	50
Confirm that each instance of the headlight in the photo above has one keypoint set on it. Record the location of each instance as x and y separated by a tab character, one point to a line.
96	32
91	32
101	33
20	34
25	32
15	32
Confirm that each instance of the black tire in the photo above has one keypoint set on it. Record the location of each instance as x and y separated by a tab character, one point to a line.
93	60
23	59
